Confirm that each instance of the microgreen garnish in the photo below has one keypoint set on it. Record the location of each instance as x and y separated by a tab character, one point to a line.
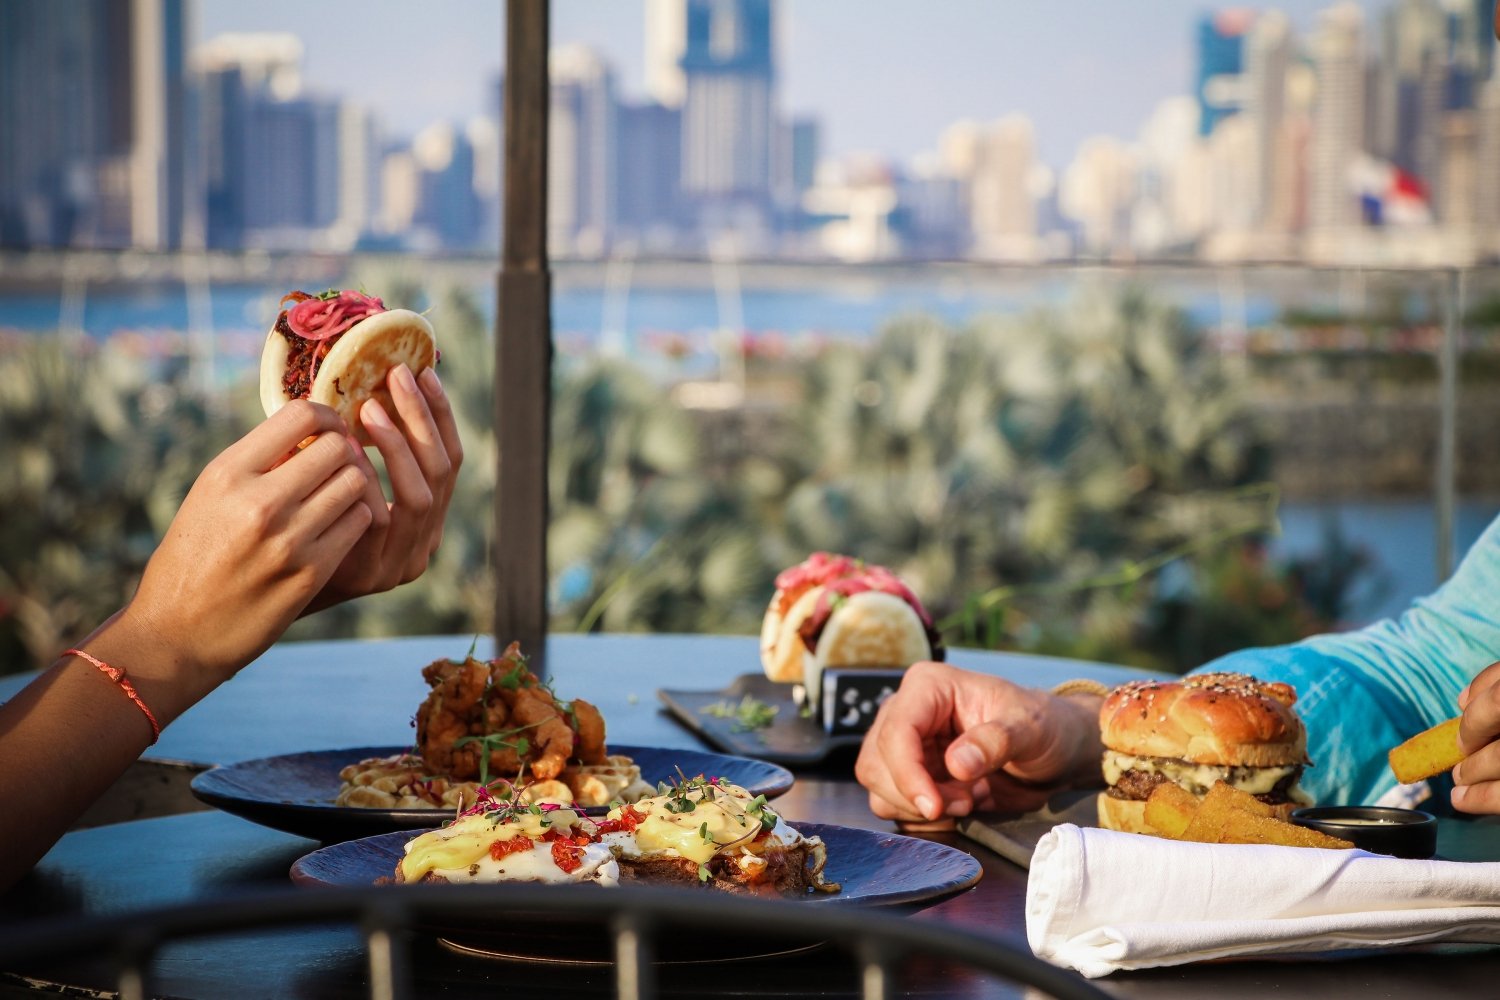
500	740
703	832
513	679
761	811
751	713
703	873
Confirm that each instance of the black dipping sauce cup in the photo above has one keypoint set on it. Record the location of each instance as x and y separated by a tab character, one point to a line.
1401	833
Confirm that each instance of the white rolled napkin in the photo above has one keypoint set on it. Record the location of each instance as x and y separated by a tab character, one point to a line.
1100	901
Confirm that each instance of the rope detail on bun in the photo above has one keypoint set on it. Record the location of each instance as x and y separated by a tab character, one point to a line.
1082	685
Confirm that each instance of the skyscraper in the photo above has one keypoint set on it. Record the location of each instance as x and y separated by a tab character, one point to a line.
1268	51
234	73
581	180
648	165
1338	118
100	158
728	115
1003	218
666	41
1221	45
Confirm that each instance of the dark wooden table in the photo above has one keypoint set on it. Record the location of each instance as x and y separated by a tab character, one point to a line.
347	694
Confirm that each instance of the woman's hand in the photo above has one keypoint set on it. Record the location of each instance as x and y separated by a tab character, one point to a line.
260	533
950	741
1476	780
422	457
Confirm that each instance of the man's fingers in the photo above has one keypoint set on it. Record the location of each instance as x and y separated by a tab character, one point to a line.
1480	723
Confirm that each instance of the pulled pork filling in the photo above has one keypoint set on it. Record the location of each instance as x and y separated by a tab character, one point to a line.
297	379
1132	777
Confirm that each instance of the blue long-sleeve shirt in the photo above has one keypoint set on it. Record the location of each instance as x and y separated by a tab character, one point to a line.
1362	692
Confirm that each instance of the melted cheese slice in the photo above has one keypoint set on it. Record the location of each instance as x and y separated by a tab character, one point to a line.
460	852
696	823
1198	778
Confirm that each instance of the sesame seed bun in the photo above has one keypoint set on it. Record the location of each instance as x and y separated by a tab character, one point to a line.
1219	719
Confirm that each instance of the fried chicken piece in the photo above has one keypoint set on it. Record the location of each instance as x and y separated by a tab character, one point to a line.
445	716
548	731
505	719
589	747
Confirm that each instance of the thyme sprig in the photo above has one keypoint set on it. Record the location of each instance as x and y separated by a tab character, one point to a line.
749	714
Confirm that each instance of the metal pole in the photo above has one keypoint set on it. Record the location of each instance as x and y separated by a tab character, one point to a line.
1446	475
523	342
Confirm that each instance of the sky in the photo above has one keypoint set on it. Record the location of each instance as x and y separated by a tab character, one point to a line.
883	76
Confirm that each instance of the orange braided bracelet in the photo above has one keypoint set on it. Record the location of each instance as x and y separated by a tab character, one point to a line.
118	676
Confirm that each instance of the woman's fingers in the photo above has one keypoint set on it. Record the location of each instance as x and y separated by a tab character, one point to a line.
412	501
269	442
442	414
305	471
328	503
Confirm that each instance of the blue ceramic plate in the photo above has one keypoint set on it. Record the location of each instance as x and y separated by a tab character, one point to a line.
295	792
873	868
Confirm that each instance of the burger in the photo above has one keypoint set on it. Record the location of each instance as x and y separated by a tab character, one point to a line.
1196	731
832	611
336	348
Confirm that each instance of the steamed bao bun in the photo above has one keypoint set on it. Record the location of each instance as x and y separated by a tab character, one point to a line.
835	611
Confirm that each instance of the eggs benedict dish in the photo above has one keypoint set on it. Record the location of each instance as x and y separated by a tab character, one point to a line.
699	833
496	841
711	833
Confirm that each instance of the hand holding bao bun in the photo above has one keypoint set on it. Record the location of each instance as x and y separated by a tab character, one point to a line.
1193	732
336	348
833	611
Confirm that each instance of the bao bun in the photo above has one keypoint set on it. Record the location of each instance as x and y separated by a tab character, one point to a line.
355	367
1222	719
832	611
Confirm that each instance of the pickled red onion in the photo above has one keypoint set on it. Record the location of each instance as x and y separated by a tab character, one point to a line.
321	319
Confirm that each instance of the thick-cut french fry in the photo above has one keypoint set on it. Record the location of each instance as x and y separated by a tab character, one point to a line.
1232	798
1170	808
1208	822
1241	827
1428	753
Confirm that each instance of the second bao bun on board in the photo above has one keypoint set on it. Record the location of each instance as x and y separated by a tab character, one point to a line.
337	349
1193	732
833	611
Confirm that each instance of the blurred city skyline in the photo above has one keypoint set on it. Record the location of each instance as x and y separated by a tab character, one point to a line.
879	79
1325	132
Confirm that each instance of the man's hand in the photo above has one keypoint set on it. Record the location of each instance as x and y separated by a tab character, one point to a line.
950	741
1476	780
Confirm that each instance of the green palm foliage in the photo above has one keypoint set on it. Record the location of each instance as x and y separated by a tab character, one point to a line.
100	449
1085	480
1031	468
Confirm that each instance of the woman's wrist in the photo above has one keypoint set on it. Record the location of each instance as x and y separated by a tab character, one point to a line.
163	672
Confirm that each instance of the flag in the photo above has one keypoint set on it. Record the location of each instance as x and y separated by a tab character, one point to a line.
1388	195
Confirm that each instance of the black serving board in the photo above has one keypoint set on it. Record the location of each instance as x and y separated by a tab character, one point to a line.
790	739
